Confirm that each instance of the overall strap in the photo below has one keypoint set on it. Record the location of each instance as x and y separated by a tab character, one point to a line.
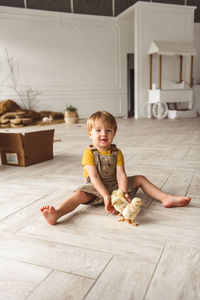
95	153
113	148
92	148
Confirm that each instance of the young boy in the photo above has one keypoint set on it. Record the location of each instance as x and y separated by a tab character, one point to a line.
104	172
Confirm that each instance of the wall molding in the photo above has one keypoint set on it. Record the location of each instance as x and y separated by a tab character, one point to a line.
72	23
58	97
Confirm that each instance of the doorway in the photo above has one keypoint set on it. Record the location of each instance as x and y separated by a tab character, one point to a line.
131	82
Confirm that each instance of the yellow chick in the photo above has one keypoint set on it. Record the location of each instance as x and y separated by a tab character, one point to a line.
118	201
131	211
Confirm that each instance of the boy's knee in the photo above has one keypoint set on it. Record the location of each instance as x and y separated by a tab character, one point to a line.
84	197
139	180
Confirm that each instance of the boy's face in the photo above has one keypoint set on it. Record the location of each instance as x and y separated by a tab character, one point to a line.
101	135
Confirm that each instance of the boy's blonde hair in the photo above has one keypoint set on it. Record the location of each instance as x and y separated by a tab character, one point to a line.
105	117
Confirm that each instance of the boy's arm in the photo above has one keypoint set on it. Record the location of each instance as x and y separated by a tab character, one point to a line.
100	187
122	181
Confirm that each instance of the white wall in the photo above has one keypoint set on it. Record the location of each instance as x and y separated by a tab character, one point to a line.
155	21
68	58
82	60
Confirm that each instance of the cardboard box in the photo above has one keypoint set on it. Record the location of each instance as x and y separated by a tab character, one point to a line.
28	148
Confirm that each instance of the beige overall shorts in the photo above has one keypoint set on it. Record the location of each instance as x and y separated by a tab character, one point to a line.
106	166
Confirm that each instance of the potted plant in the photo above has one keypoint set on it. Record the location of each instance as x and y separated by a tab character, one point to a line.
71	115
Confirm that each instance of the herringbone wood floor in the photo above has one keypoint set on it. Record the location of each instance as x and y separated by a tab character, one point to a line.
88	254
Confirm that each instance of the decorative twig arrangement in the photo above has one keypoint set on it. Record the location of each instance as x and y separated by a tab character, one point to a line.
9	77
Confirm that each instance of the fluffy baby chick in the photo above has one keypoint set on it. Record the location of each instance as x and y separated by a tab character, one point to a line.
131	211
118	201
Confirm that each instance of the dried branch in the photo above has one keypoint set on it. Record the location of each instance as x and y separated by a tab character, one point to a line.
10	76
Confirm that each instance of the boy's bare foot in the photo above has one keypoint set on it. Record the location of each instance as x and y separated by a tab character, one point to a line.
174	201
49	214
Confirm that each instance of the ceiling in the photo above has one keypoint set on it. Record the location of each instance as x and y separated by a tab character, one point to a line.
92	7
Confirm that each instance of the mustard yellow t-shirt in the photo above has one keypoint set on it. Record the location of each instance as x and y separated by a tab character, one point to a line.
88	159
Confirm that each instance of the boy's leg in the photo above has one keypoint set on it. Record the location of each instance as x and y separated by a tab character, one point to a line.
154	192
52	214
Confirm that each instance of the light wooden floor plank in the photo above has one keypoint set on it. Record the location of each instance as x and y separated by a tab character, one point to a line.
17	200
61	286
123	279
28	213
18	279
76	260
178	182
195	184
87	232
177	275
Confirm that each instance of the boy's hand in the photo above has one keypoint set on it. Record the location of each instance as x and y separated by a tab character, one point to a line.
126	196
108	206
